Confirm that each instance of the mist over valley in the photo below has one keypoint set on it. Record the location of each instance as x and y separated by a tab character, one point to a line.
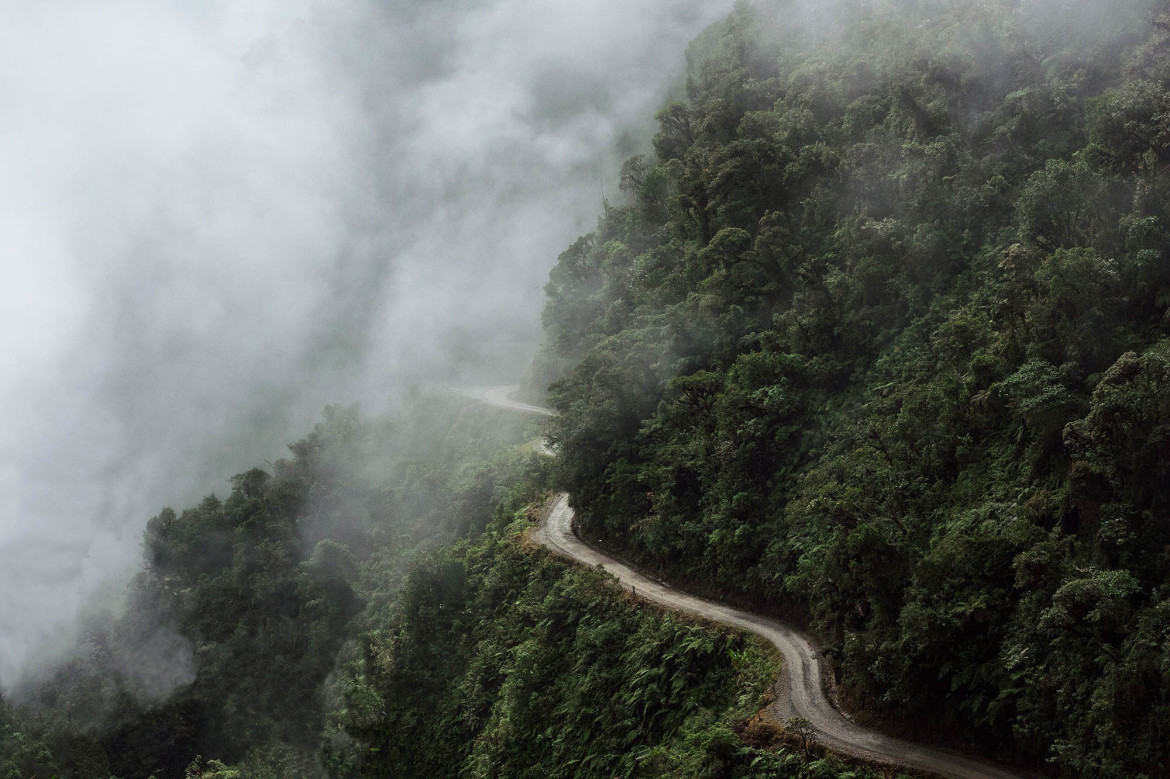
221	217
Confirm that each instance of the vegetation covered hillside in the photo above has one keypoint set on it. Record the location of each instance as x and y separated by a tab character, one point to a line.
879	339
369	607
881	336
247	606
505	662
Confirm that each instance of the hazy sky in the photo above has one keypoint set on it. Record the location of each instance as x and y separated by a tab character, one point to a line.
216	217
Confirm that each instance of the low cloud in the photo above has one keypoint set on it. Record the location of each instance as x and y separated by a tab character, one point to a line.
219	217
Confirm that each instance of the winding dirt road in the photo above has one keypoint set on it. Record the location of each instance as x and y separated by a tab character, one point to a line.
804	695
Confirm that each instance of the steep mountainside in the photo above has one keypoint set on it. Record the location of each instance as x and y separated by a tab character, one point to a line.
879	337
879	340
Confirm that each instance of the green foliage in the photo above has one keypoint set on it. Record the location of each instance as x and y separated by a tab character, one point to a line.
892	356
879	339
506	662
228	637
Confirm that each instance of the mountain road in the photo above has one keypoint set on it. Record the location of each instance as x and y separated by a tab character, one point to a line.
802	690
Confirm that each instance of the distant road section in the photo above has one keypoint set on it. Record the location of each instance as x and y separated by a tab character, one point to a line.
804	693
501	397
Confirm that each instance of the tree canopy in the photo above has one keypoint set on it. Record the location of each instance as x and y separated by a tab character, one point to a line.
877	338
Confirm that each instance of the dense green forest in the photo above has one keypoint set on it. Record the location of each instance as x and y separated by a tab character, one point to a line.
269	590
369	607
879	339
504	661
